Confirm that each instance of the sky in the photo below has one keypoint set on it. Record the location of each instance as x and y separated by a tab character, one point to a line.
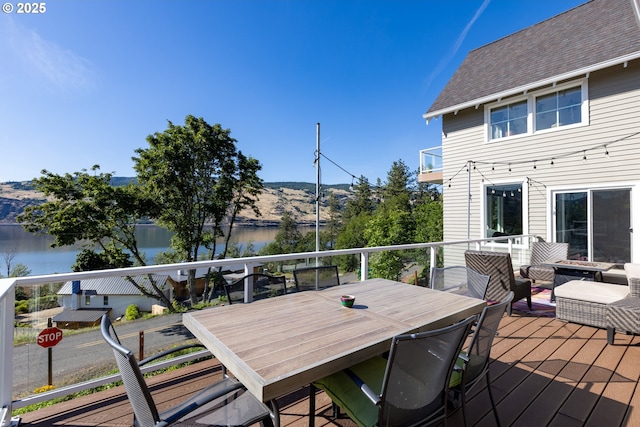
85	82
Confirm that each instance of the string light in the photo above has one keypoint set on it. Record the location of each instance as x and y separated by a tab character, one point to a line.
606	152
509	167
534	164
552	161
584	156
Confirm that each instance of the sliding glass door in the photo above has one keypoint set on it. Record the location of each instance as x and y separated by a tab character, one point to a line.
596	224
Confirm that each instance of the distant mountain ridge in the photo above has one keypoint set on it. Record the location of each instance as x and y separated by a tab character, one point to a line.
297	198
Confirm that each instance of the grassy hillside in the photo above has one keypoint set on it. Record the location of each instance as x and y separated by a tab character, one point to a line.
297	198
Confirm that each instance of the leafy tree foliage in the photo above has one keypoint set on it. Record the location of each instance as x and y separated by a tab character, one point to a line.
288	238
87	209
198	176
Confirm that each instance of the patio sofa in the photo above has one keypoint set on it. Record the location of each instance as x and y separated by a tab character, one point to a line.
590	303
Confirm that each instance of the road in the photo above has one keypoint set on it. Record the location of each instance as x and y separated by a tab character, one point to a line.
85	355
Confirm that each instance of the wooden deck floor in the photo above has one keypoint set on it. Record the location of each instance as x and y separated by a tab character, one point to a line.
544	372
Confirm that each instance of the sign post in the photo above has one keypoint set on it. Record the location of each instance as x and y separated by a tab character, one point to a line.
48	338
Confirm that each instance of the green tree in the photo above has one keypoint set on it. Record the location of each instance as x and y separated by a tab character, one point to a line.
87	209
398	189
389	227
198	176
287	239
361	202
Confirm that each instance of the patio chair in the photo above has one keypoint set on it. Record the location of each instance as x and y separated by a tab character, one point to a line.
224	403
460	280
408	388
498	266
473	364
542	252
264	286
326	276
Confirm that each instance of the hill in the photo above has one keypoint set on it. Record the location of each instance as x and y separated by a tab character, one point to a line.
297	198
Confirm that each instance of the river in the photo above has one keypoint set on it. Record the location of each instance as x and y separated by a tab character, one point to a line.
35	252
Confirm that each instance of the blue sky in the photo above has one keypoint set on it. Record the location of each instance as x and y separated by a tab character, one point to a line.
87	81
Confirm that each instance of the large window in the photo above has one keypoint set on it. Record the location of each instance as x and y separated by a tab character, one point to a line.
596	223
538	111
559	108
508	120
503	210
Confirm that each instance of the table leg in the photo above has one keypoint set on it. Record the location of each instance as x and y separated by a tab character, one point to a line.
275	412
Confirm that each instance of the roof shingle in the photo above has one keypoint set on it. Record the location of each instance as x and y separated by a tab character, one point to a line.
590	34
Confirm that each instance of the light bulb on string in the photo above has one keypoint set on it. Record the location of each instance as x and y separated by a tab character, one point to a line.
534	164
552	162
509	167
584	156
606	151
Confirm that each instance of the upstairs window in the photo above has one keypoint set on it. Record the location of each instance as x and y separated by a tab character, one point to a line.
508	120
559	108
544	110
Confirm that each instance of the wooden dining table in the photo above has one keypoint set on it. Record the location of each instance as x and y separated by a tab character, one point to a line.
277	345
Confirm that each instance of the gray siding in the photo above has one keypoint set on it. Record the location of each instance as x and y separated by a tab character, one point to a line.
614	114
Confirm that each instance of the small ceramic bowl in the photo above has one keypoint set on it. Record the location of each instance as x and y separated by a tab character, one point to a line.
347	300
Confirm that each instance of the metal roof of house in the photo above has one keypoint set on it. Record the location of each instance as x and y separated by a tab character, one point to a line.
84	315
589	37
115	285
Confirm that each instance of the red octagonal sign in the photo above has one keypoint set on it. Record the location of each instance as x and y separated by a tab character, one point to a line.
49	337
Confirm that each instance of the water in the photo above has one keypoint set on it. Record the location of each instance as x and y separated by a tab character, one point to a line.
35	252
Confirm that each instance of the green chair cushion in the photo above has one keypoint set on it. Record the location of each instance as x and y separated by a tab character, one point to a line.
346	394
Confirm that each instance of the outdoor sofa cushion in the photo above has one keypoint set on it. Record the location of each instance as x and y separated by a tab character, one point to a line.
598	292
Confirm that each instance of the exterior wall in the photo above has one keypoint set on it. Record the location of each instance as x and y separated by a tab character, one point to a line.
117	303
614	114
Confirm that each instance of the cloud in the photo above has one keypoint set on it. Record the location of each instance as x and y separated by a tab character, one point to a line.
447	59
43	62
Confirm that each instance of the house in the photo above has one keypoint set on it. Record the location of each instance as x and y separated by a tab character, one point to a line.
84	302
541	135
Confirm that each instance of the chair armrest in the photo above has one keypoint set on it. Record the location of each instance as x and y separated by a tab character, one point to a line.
371	395
168	352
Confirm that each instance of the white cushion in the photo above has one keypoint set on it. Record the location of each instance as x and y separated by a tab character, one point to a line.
585	290
632	270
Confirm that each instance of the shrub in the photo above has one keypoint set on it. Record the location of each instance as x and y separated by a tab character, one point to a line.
132	312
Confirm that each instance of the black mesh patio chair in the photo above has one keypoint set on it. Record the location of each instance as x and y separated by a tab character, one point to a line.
473	364
408	388
224	403
542	252
498	266
460	280
313	278
264	286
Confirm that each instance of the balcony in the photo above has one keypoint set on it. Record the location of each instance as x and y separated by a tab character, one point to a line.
544	371
431	165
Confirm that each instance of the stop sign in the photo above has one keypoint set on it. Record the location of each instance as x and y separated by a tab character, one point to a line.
49	337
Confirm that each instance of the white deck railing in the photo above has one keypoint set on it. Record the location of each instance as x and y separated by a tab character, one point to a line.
7	299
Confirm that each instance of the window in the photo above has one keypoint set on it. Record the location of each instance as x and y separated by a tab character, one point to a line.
540	111
87	300
508	120
105	300
503	210
559	108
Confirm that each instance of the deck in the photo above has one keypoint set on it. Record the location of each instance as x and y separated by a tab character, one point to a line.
544	372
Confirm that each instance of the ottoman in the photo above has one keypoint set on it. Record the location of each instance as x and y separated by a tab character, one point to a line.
585	302
623	315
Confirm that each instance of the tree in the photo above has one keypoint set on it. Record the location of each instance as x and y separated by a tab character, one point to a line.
397	190
288	238
201	180
389	227
87	209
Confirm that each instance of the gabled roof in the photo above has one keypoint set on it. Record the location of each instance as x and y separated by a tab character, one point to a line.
593	36
114	285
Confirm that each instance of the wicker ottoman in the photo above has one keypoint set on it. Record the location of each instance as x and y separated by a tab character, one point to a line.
623	315
585	302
